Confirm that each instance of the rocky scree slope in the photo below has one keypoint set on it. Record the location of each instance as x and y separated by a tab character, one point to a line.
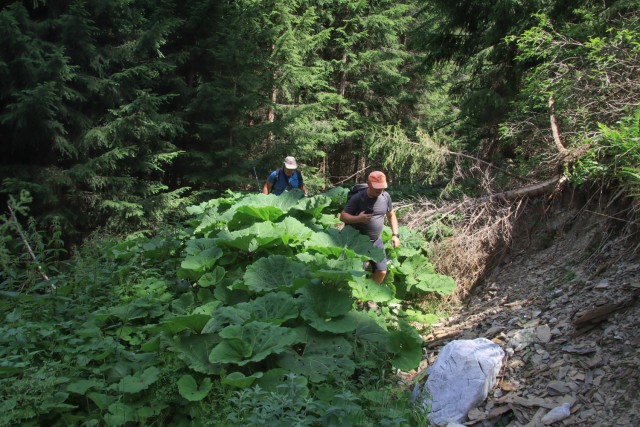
564	305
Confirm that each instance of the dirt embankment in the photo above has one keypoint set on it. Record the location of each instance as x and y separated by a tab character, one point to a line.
563	302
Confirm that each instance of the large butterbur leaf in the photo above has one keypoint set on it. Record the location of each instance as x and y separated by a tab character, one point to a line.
368	332
419	274
194	350
274	307
323	357
212	278
260	207
327	308
291	230
413	243
189	389
275	272
225	316
137	382
120	414
202	254
177	324
239	380
406	347
253	342
440	283
252	238
313	206
347	242
367	289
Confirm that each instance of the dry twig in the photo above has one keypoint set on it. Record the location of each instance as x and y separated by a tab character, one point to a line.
27	246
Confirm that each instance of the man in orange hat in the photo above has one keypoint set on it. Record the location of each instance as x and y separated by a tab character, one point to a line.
365	211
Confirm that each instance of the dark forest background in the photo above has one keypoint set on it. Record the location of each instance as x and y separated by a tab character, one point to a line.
116	113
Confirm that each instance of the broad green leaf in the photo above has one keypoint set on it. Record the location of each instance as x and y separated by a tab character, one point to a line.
56	401
140	308
346	242
275	272
274	308
419	273
212	278
81	386
194	350
252	342
101	400
178	324
146	412
265	207
368	332
208	308
328	221
338	276
413	243
335	325
201	254
137	382
313	205
423	318
406	347
151	345
225	316
440	283
120	414
271	379
325	301
326	308
237	379
291	230
197	246
202	261
188	388
183	303
252	238
367	289
323	357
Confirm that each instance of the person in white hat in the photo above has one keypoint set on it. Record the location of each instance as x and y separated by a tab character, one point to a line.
284	178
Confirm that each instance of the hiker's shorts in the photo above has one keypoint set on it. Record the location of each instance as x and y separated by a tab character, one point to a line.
382	265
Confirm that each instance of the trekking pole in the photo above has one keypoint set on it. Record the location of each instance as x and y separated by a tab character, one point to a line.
257	181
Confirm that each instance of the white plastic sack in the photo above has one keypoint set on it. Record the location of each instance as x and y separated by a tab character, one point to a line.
460	379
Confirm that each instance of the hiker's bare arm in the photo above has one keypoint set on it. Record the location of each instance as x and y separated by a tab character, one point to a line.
393	223
266	188
347	218
303	188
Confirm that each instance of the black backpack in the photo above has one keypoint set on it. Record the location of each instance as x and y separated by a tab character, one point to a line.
355	190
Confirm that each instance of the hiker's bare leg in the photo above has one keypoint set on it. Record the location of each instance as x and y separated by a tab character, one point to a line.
379	275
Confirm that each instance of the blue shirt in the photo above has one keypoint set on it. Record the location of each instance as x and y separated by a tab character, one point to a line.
284	182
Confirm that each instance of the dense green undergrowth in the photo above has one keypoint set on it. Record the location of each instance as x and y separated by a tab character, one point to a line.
246	314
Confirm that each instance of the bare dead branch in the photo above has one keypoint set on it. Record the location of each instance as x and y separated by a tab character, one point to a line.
26	245
554	128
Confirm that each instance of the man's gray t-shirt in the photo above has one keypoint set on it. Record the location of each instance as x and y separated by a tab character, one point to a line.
380	205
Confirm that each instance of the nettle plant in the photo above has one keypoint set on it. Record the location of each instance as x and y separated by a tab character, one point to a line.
200	324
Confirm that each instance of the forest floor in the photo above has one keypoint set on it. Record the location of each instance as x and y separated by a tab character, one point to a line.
563	304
